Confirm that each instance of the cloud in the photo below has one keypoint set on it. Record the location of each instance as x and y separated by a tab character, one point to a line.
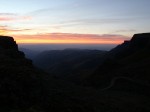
3	30
26	17
97	20
8	14
39	11
92	21
130	30
71	38
7	30
5	17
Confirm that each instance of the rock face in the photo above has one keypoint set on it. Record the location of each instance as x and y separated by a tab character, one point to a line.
8	47
140	41
15	73
130	59
7	42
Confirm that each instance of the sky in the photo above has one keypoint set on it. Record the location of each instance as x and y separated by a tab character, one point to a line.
74	21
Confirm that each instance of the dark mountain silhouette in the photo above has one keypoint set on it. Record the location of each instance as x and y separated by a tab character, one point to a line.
138	42
71	64
130	59
122	83
26	89
30	54
7	42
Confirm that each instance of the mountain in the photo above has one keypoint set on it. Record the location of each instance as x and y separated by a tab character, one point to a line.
16	76
30	54
130	60
71	64
24	88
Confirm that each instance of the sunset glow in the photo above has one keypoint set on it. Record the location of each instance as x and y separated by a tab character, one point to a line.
75	21
70	38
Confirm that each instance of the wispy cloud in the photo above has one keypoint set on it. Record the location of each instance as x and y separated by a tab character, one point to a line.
8	14
4	17
7	30
39	11
92	21
98	20
121	31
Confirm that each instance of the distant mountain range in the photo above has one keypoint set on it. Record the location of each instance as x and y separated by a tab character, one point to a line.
72	64
30	54
81	65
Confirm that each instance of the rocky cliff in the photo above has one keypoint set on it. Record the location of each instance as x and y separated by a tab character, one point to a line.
138	42
9	48
17	78
7	42
131	59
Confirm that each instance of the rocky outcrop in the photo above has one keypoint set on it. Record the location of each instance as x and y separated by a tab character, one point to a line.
131	59
140	41
120	50
8	47
16	74
7	42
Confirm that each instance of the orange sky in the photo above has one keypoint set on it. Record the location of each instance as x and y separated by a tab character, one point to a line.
29	36
70	38
34	35
75	21
22	35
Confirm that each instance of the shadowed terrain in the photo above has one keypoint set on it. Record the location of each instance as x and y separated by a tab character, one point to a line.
71	64
130	59
119	81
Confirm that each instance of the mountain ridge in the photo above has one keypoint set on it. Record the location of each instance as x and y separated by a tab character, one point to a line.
118	84
130	59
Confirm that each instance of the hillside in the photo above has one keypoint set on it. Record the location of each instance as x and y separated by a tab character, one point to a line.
71	64
24	88
130	59
30	54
